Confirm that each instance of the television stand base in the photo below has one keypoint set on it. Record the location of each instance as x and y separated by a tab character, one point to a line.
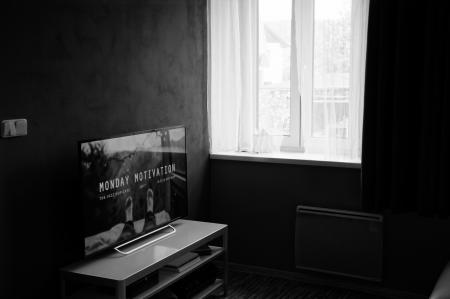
118	276
153	237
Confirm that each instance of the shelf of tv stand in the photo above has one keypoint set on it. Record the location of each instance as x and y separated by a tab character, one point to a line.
116	272
167	278
209	289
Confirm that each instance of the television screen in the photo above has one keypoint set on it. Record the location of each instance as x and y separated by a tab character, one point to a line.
132	185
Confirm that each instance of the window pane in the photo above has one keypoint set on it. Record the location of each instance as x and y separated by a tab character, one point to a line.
332	37
274	66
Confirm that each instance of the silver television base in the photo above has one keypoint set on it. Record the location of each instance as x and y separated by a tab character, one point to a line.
150	241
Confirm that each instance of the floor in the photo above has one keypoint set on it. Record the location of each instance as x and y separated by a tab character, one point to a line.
245	285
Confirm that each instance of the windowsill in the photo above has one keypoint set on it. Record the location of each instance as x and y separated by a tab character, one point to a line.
283	158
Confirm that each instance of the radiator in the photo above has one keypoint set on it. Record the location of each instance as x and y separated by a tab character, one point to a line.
339	242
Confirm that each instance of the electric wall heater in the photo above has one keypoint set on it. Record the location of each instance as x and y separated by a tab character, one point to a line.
339	242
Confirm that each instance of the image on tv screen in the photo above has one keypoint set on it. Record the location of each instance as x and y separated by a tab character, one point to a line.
131	185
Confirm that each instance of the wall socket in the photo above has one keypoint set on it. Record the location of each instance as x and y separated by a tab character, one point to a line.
14	128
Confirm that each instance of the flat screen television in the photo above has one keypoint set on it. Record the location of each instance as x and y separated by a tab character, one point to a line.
131	185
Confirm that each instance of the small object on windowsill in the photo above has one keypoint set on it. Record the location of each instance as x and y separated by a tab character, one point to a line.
263	142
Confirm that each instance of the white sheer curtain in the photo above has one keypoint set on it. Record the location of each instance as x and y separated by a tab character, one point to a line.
233	49
360	22
234	87
330	143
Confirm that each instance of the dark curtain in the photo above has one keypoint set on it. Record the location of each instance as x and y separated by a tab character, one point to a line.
405	159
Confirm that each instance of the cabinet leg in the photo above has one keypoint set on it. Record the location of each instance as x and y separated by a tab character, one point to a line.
63	288
121	290
225	264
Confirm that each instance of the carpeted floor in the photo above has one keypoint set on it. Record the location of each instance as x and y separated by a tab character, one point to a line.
244	285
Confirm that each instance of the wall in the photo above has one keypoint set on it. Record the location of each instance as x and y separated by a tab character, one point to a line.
258	202
85	69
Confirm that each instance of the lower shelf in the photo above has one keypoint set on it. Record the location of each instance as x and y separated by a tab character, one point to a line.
209	290
95	294
167	278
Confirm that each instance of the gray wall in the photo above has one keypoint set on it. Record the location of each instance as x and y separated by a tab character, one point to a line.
258	202
86	69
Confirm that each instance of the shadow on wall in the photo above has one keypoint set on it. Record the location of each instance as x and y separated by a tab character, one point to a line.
85	69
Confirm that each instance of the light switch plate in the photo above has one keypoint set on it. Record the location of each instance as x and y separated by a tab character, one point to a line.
14	128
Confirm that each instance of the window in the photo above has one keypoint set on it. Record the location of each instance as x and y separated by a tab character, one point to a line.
274	53
288	76
331	67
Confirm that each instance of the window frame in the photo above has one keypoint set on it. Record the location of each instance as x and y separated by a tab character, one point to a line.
301	124
286	142
316	144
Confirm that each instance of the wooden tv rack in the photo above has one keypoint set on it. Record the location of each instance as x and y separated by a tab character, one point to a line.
116	272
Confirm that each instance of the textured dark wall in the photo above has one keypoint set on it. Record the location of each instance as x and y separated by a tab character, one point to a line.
86	69
258	202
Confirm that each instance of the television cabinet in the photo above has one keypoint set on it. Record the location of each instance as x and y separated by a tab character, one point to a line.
116	272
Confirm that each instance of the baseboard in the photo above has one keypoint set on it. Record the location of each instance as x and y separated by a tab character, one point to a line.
329	282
